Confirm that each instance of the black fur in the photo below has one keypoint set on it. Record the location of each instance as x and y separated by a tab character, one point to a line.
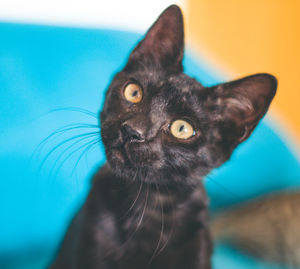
147	207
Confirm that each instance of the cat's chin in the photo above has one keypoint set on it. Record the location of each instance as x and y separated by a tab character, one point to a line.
124	167
132	173
151	174
133	155
117	156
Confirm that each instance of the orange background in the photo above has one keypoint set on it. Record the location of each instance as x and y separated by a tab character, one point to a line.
245	37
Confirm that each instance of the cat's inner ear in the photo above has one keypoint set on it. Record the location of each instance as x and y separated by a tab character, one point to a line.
164	42
242	103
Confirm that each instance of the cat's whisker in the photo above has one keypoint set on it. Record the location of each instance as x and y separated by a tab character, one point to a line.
162	227
73	144
76	109
135	200
97	142
76	150
60	131
67	149
58	167
140	220
62	143
144	210
84	152
172	227
137	228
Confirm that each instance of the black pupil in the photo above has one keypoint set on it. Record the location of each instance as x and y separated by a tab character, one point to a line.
135	93
181	128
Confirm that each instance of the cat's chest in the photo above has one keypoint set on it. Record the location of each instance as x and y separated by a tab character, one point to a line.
153	215
157	221
138	224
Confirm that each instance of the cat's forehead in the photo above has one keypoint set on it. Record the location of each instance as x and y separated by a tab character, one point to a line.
168	93
180	91
162	83
173	94
184	84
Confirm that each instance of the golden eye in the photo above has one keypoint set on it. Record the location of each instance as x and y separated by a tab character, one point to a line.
182	129
133	93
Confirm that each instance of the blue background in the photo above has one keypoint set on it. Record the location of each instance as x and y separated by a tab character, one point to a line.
47	74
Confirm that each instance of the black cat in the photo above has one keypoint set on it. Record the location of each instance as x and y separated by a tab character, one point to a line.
163	132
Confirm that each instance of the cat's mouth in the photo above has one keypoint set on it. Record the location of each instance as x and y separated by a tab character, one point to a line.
124	152
135	154
119	153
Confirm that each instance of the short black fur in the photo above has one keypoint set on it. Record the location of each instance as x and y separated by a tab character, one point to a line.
147	207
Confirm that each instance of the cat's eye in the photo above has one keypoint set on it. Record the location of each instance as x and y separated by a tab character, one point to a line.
133	93
182	129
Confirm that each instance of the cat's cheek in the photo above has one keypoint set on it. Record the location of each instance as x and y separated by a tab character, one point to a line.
110	135
116	158
118	155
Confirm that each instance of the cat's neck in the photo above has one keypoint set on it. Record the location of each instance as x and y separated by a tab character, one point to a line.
152	202
164	214
152	217
135	193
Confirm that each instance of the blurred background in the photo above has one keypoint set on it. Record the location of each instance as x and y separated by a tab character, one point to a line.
56	61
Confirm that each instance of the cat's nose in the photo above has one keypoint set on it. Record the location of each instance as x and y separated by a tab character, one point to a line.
132	133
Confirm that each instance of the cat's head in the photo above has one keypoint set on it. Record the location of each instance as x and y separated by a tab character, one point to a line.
161	125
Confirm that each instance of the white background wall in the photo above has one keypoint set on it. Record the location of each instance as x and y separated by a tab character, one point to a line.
135	15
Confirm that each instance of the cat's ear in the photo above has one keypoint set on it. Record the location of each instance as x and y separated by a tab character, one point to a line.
164	42
242	103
